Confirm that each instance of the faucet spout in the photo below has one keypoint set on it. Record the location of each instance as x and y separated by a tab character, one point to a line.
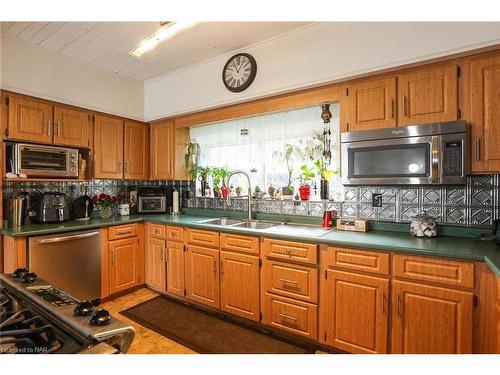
249	191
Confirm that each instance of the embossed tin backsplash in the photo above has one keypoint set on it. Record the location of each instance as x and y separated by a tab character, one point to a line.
473	205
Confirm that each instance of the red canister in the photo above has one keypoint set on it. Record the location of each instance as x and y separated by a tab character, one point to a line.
327	219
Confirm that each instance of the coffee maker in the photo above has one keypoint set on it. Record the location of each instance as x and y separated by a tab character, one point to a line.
51	208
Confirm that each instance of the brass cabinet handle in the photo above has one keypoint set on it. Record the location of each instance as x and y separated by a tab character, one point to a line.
161	254
288	317
126	231
478	148
392	108
288	252
215	265
221	267
58	124
399	304
49	127
286	281
383	303
405	105
113	257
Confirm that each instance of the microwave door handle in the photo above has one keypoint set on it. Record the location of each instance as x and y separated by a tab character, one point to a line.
435	158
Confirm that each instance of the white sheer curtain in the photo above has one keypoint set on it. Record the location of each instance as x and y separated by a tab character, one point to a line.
249	143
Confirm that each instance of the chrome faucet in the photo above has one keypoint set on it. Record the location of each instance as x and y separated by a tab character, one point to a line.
228	200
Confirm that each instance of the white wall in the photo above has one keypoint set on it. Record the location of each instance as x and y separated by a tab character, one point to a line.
34	71
321	53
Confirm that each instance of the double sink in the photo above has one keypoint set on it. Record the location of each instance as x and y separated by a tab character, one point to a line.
269	226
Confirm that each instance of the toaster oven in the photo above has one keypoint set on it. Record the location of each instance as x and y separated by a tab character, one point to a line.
42	161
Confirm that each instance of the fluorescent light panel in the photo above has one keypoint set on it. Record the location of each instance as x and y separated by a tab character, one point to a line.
164	33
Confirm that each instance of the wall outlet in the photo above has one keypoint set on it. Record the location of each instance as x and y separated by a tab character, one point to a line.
376	200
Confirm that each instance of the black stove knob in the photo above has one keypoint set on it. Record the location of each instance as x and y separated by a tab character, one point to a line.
84	308
29	277
19	272
100	318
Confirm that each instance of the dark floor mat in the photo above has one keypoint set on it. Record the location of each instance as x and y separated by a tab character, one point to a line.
207	333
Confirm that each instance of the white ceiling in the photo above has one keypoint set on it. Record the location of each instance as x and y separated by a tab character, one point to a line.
106	44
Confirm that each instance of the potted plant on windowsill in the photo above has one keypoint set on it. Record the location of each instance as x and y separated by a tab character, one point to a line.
326	175
306	177
219	176
202	173
286	156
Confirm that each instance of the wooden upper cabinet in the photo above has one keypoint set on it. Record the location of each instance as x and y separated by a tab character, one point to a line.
430	320
202	275
355	312
162	151
108	147
371	104
29	120
485	114
239	284
71	127
136	147
428	95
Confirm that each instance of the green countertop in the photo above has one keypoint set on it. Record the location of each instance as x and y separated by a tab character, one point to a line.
448	247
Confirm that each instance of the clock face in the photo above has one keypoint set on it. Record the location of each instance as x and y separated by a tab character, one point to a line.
239	72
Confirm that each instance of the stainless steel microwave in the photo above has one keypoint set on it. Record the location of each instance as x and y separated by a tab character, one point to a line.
417	154
42	161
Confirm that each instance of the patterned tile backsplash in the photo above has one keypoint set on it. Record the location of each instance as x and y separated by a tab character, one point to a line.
473	205
95	187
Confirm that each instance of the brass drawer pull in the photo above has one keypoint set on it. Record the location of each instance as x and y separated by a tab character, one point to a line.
288	252
286	281
289	317
478	149
127	231
405	105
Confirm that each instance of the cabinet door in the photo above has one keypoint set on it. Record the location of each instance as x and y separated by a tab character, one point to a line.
162	151
71	127
108	147
29	120
136	151
155	263
355	312
239	283
428	95
175	268
485	114
371	104
430	320
124	264
202	275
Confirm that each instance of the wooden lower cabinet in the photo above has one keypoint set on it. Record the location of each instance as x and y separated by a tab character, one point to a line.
155	264
300	318
202	275
124	264
175	268
239	284
430	320
354	312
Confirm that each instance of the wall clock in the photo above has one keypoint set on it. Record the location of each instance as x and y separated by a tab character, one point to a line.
239	72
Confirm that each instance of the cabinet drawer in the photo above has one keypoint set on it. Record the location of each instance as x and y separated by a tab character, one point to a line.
157	231
296	317
175	234
243	244
123	231
296	251
441	271
290	280
358	260
202	237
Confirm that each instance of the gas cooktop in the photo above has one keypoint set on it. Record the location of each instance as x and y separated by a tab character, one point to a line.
36	317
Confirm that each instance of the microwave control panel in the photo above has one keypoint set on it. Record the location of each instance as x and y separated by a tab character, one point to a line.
453	158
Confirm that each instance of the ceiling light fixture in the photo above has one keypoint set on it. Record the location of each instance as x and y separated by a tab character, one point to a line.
167	31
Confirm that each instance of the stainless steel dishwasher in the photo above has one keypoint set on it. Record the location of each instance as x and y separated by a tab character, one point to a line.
70	261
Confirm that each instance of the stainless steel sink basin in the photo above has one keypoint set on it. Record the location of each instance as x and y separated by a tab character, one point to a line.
220	221
254	225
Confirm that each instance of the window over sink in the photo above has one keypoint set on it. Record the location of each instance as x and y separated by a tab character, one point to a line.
259	145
